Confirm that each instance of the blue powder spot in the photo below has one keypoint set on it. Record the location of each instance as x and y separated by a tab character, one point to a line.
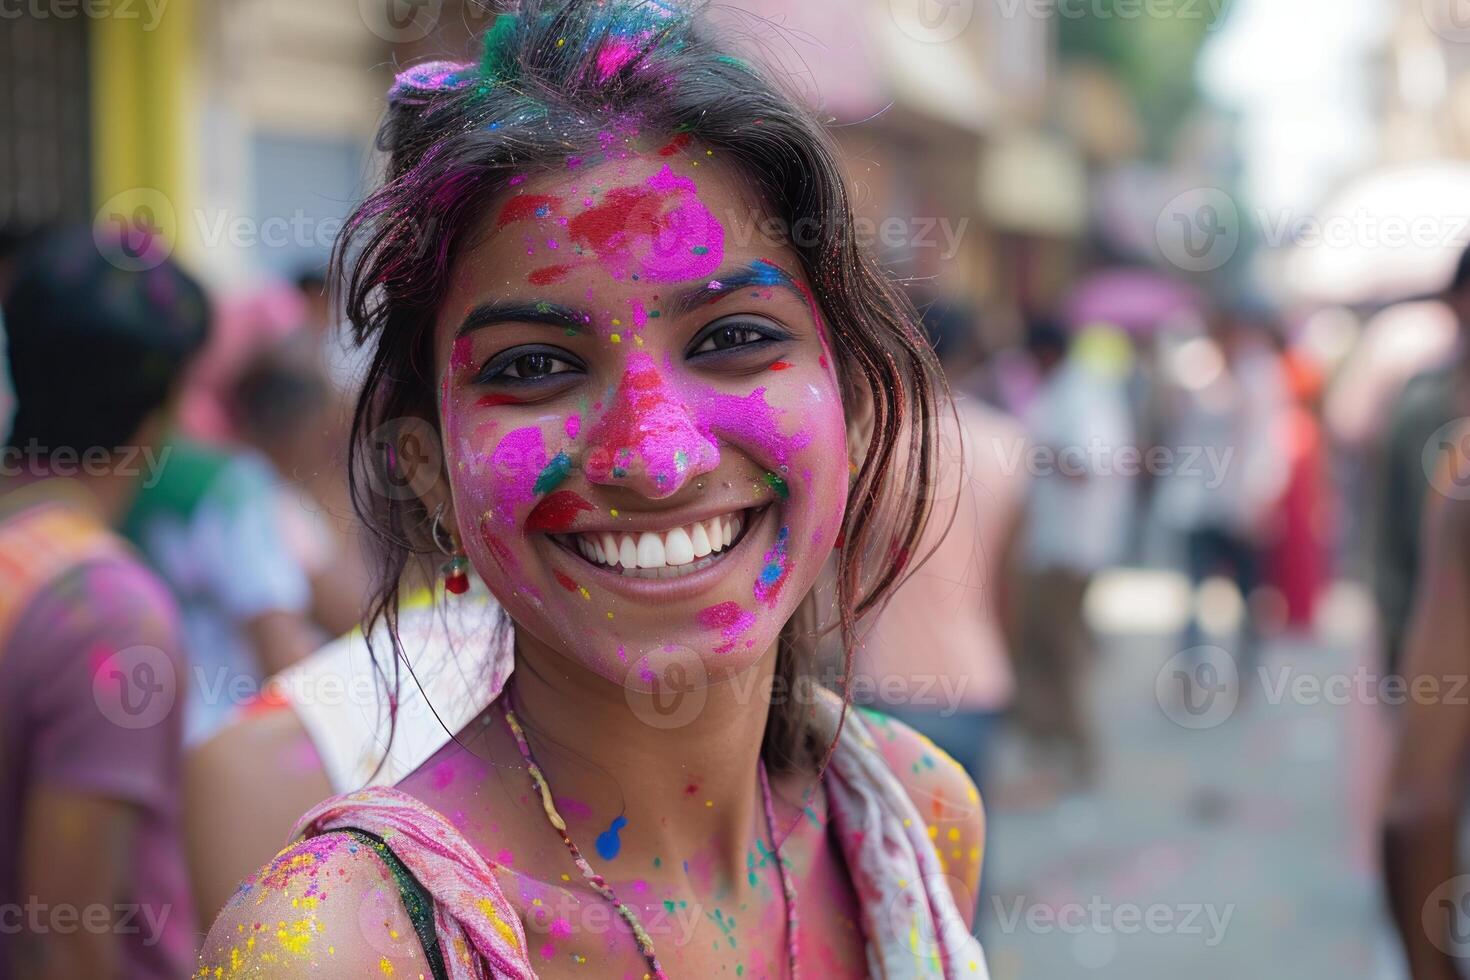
608	844
766	274
543	211
700	250
556	471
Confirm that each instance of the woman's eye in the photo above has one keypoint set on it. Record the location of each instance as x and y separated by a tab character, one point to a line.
526	367
529	366
729	337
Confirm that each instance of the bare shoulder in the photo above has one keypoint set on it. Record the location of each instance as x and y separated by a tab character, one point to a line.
946	798
323	907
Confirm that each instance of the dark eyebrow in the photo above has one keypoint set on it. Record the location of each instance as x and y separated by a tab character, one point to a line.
551	314
759	273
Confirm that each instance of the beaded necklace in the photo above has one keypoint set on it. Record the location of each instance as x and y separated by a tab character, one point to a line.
600	885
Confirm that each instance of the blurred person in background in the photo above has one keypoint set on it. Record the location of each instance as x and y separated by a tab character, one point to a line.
1426	799
323	727
90	647
213	525
1229	462
1429	401
1298	561
938	658
281	405
1077	525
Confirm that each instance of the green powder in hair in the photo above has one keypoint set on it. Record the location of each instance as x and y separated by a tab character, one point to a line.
495	65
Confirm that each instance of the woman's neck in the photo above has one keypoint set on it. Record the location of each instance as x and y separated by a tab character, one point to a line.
679	765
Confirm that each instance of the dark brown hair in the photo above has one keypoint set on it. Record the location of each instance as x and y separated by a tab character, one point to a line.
553	76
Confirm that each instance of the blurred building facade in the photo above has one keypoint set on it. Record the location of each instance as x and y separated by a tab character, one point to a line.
241	129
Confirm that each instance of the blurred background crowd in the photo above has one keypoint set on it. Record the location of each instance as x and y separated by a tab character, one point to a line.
1195	269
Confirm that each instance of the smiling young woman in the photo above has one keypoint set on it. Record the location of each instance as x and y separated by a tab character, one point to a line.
652	436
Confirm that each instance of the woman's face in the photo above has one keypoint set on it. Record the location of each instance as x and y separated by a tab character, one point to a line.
642	425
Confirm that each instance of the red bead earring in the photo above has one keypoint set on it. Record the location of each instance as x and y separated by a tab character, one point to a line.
455	571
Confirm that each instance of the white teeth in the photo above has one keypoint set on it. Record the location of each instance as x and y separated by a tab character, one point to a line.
650	551
678	549
670	554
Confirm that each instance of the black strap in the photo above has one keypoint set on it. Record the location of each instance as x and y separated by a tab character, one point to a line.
416	900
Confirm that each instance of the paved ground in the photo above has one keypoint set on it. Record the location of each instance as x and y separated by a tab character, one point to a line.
1236	851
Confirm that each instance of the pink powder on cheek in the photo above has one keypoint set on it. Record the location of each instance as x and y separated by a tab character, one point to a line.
516	464
753	421
574	425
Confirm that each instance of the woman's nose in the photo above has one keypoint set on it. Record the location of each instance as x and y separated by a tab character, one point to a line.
647	439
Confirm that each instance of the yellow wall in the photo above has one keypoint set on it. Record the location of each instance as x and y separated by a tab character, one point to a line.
143	114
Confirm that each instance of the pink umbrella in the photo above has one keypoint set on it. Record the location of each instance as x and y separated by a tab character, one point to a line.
1139	301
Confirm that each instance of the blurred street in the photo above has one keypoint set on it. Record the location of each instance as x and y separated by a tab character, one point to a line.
1241	837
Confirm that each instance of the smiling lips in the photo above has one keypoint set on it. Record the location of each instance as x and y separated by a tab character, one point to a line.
661	554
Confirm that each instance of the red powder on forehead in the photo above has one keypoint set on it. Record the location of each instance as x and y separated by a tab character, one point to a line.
625	212
557	512
676	144
549	274
525	207
565	581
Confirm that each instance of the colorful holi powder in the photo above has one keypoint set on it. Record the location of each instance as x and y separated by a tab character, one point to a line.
554	474
773	575
774	481
753	420
565	581
519	463
780	365
490	401
661	232
526	207
614	55
676	144
608	844
764	272
548	274
648	422
433	76
729	618
574	425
